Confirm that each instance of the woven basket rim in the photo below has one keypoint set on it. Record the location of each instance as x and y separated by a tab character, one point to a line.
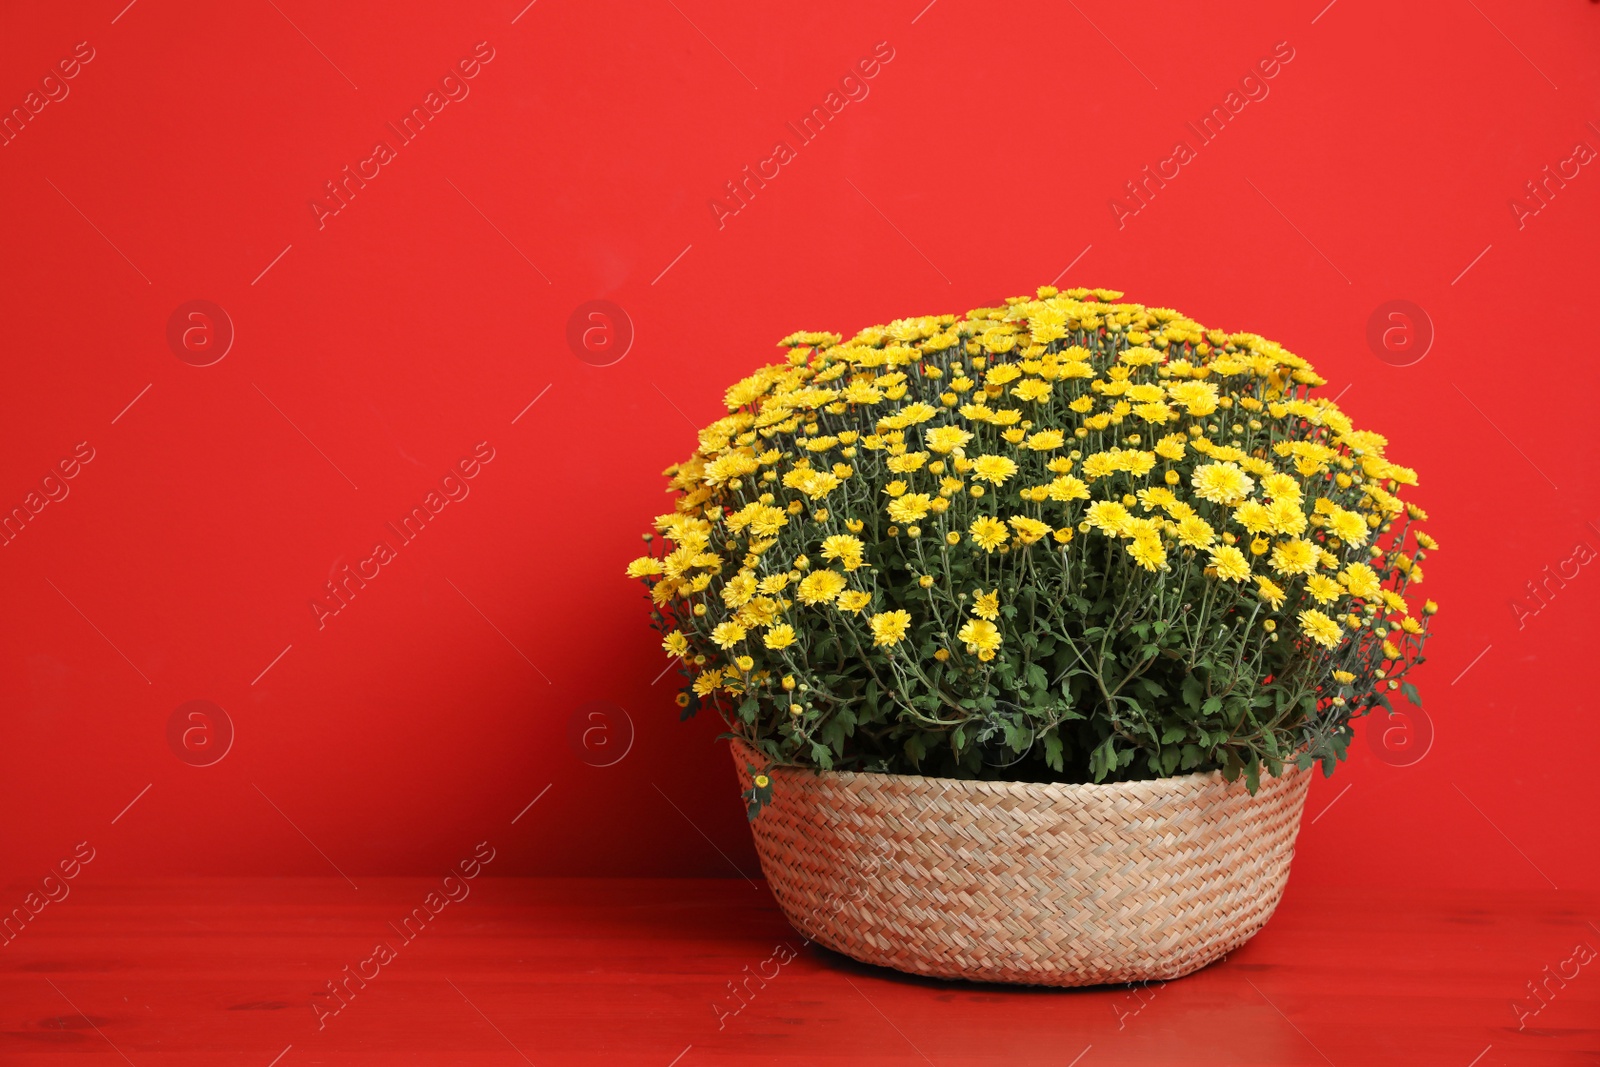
1194	781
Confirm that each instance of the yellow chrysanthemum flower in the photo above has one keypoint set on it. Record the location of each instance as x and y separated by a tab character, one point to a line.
1147	552
1032	390
1108	517
946	439
989	533
1195	533
1347	526
1065	487
889	627
814	484
1321	629
1029	530
910	507
994	469
644	567
1361	580
1221	483
1272	593
846	549
1294	557
820	587
739	589
727	634
1323	589
1280	486
981	637
1045	440
853	600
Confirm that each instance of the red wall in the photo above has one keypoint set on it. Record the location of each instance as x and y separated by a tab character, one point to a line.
378	347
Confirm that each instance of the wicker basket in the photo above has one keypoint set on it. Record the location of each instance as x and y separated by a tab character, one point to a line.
1056	885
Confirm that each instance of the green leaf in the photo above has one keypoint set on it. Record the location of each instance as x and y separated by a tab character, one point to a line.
1411	693
1151	687
1102	760
1052	751
757	796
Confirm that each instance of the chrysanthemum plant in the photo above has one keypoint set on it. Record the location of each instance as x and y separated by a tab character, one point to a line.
1067	539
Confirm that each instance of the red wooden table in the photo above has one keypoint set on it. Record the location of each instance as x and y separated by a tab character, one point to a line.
555	971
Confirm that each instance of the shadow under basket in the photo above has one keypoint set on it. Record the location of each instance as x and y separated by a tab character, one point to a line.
1041	884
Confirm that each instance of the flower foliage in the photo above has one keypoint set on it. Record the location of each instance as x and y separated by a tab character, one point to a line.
1069	538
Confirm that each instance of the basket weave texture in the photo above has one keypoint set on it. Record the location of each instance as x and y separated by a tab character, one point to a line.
1042	884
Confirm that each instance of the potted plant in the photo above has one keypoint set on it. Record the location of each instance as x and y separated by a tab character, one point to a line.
1028	625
